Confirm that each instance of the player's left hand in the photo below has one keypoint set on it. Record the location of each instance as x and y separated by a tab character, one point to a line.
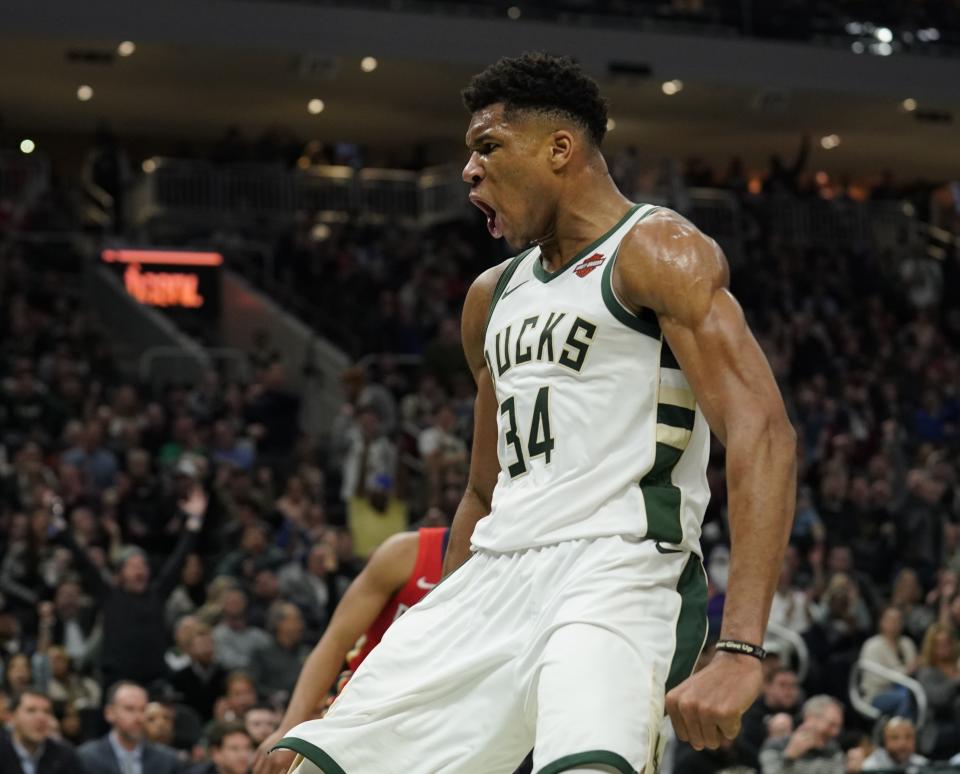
708	706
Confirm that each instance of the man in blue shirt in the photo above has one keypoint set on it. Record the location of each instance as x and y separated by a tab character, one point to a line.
125	750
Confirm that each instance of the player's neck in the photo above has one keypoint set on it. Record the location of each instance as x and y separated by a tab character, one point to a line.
593	208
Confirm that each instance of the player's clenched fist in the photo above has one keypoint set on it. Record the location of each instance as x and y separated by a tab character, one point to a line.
708	706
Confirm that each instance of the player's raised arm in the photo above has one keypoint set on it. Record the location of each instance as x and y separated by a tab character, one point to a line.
484	465
386	572
669	266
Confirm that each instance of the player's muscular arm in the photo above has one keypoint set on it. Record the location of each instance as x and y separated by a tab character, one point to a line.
484	465
669	266
386	572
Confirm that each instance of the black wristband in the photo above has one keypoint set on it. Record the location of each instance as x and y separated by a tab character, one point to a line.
743	648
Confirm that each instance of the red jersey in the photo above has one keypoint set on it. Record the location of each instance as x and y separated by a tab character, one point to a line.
426	574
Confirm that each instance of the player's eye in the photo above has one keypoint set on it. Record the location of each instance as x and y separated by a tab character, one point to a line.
487	148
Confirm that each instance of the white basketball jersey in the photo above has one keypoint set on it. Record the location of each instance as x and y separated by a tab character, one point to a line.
599	432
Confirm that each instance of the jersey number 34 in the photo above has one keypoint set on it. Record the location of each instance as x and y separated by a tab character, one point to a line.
539	440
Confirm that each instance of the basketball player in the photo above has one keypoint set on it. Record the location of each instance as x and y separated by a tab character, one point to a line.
604	353
397	576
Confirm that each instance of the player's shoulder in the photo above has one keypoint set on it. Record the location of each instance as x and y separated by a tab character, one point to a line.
481	297
393	561
664	259
484	287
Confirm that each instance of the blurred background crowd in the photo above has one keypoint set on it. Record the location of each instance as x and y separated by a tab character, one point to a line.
172	548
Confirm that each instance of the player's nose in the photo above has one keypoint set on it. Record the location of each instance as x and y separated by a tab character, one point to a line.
472	172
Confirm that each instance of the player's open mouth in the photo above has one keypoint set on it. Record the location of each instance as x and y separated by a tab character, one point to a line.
486	209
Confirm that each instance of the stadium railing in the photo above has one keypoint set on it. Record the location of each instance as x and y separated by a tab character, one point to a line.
865	708
202	193
194	190
780	638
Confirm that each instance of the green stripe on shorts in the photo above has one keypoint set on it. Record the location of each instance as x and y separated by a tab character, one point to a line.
691	623
312	753
589	758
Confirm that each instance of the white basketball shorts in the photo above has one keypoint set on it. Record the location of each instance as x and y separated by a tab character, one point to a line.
567	649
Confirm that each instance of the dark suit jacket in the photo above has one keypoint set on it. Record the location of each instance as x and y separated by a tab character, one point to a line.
98	758
57	758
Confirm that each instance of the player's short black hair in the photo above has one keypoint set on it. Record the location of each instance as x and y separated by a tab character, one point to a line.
541	82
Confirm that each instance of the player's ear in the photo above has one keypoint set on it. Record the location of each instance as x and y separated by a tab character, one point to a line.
561	148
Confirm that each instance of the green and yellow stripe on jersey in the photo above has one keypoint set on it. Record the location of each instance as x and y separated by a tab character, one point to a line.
676	413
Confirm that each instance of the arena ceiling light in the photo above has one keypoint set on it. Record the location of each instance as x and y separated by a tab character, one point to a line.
126	48
27	146
611	124
514	12
315	107
830	141
672	87
909	104
368	64
84	93
149	166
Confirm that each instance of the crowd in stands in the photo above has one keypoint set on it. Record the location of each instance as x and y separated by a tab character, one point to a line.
168	555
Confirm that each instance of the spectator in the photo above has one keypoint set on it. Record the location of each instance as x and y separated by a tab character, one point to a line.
939	675
73	622
791	604
907	596
375	514
63	685
891	649
30	747
177	657
295	502
203	680
133	621
18	674
263	595
190	594
369	453
240	695
254	554
899	751
812	748
781	694
97	463
231	749
276	666
274	414
725	758
234	638
140	496
313	586
226	448
158	723
125	748
261	720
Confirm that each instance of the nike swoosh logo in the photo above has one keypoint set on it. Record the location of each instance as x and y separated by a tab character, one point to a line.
508	292
423	583
663	550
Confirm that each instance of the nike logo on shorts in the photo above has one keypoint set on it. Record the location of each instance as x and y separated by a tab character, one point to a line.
663	550
508	292
423	583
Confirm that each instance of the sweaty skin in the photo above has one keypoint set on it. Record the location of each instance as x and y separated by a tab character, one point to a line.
540	180
385	574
